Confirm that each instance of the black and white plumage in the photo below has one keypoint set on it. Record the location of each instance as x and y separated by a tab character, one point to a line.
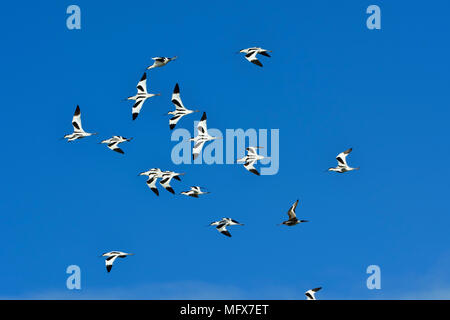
250	54
78	132
141	96
222	225
153	175
194	192
310	294
201	138
342	162
292	216
113	143
250	159
112	256
160	62
166	177
180	110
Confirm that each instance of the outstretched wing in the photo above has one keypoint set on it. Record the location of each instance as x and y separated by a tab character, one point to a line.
252	150
176	99
174	120
109	262
142	85
114	147
291	212
76	120
197	149
137	107
342	158
151	183
251	56
249	166
222	228
201	126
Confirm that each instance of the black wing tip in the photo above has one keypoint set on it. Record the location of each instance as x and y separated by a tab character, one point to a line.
119	151
177	178
226	233
155	191
135	115
144	76
255	172
176	89
172	126
203	116
77	110
170	190
257	62
108	268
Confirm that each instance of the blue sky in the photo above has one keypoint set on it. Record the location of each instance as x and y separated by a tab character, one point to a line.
331	84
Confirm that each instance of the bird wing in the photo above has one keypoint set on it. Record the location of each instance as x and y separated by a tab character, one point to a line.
174	120
137	107
201	127
159	59
249	166
197	149
341	158
252	150
310	295
142	84
291	212
114	147
165	183
222	228
176	99
151	183
251	56
76	120
109	262
264	53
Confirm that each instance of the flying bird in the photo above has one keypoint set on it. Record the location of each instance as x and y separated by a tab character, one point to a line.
141	96
310	294
292	217
250	159
166	177
153	175
342	162
201	138
222	225
194	192
112	256
180	111
114	142
250	54
160	62
78	132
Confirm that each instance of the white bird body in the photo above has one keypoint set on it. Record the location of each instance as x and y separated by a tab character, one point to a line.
180	110
310	294
292	216
342	163
112	256
250	159
194	192
222	225
78	132
201	138
114	142
160	62
141	96
250	54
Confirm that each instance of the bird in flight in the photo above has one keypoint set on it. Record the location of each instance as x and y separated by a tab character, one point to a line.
160	62
112	256
310	294
194	192
222	225
342	163
141	96
250	159
250	54
166	177
292	217
201	138
153	175
180	111
78	132
114	142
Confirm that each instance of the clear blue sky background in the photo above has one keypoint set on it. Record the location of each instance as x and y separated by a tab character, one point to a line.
331	84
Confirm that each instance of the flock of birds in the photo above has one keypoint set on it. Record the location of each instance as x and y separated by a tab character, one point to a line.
199	140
